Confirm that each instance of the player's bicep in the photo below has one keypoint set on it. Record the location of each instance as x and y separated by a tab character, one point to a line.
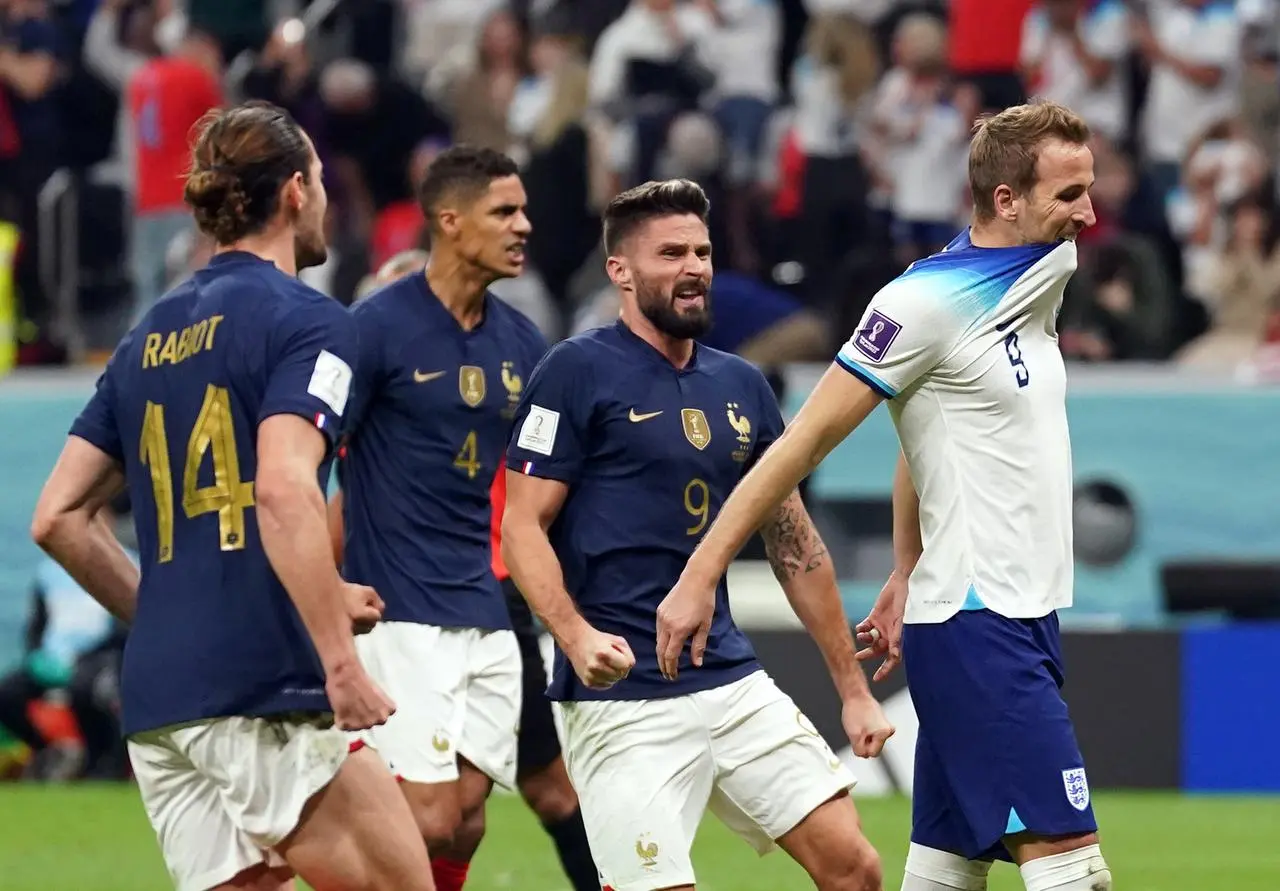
837	405
84	479
290	449
312	369
532	500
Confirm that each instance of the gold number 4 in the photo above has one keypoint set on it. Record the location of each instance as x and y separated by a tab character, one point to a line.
468	456
698	507
229	496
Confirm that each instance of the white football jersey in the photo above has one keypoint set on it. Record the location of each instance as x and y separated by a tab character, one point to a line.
964	346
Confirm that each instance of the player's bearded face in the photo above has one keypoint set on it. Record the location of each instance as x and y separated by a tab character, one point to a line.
681	309
309	243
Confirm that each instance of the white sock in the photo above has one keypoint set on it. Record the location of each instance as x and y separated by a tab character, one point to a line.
929	869
1080	870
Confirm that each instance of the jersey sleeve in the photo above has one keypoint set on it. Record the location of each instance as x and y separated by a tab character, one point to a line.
371	367
903	335
770	421
96	423
551	424
310	369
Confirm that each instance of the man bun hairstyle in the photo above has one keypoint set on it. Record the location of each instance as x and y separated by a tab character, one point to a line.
242	157
630	210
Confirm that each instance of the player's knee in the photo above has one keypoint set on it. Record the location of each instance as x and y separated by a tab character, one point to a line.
929	869
857	868
438	821
549	794
1083	869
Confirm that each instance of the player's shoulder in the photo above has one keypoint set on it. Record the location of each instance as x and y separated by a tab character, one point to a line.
728	366
508	318
963	274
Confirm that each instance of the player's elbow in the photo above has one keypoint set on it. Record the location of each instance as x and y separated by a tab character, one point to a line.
49	526
278	497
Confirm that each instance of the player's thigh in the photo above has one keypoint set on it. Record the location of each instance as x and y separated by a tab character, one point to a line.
423	668
201	845
358	834
643	771
774	767
491	716
986	690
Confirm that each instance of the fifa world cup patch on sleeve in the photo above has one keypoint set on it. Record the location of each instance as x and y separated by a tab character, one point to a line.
331	381
876	335
538	432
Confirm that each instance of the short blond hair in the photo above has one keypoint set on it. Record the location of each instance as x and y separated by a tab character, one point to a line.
1006	146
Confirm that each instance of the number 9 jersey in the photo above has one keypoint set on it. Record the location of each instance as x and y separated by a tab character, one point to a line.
964	346
178	407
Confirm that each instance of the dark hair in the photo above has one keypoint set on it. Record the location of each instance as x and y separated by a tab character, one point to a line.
242	157
631	209
462	172
1006	147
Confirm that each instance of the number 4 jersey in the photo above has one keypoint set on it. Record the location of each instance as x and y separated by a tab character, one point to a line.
965	348
178	407
432	412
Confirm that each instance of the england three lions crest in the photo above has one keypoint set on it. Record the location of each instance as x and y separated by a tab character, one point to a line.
1077	786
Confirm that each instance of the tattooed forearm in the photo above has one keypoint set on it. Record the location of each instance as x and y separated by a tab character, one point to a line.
791	541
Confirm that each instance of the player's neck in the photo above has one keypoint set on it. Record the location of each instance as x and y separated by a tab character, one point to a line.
992	234
459	286
676	350
277	249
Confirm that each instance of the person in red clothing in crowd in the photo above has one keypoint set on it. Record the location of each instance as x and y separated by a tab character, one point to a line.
165	98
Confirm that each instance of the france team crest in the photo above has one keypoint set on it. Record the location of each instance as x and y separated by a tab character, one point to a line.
1077	786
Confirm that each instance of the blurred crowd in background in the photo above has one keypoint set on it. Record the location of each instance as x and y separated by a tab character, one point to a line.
830	134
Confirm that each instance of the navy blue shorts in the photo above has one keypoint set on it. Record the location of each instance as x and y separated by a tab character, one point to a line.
996	753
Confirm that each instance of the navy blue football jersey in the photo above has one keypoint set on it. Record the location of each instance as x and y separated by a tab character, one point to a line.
433	411
650	453
179	406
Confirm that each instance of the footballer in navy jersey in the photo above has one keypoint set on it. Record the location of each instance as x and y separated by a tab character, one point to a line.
443	366
628	440
433	413
220	413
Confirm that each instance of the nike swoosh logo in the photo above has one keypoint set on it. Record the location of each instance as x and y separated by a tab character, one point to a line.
420	377
636	419
1011	322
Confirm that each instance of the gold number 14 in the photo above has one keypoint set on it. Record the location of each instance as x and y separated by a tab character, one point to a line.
229	496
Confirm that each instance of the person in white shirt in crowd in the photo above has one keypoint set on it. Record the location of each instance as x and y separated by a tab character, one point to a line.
1073	52
1193	50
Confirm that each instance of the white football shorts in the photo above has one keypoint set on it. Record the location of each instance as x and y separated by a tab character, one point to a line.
457	692
221	794
647	770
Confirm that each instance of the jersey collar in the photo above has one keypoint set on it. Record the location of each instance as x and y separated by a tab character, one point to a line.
643	347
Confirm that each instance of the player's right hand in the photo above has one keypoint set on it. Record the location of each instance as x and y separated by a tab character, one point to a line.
881	630
601	660
364	606
357	702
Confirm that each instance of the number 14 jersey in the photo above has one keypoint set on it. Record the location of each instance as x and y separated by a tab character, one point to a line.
178	407
964	346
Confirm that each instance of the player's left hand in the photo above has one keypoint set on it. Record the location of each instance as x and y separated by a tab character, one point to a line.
685	612
364	606
866	726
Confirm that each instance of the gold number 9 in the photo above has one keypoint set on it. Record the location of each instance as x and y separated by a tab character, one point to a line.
697	502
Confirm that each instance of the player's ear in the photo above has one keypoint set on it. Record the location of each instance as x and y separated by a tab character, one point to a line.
295	192
447	220
619	271
1004	199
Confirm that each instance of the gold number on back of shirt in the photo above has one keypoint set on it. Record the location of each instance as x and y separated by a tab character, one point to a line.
697	503
228	496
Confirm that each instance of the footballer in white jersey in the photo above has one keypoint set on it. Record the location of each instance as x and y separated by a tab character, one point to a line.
963	348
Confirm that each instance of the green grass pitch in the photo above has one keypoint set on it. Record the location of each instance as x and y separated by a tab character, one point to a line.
96	838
